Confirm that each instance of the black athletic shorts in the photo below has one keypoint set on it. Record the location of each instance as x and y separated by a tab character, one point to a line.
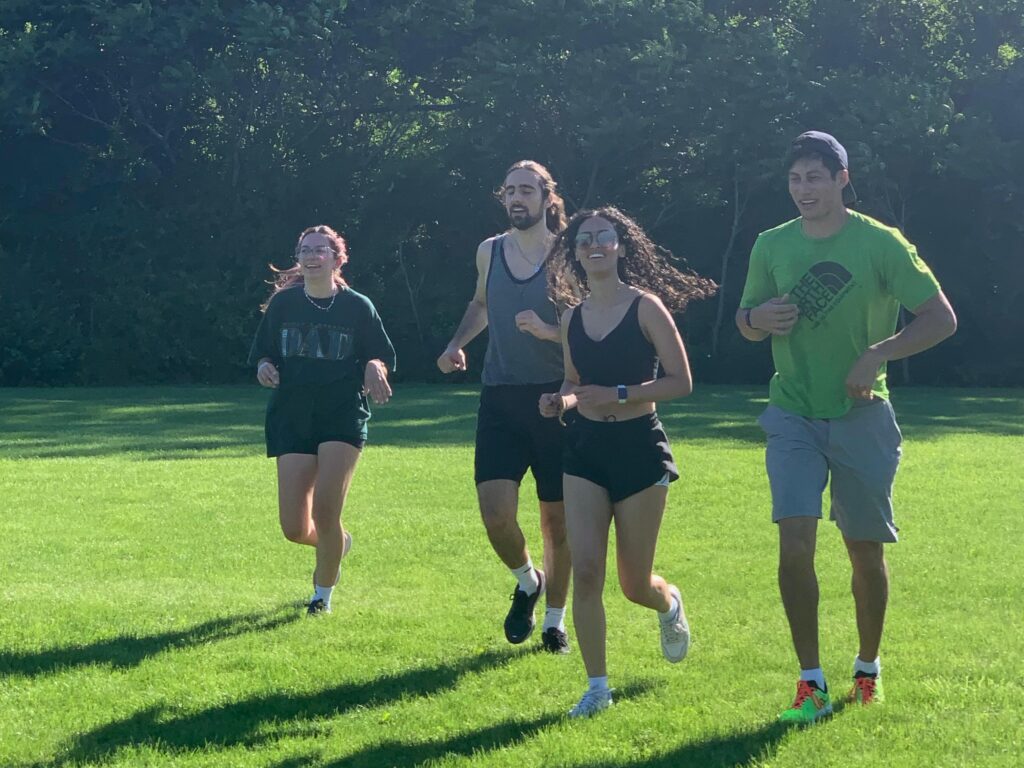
623	457
300	418
512	436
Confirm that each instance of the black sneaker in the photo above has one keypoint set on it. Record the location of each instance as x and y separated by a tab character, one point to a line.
519	623
317	607
554	640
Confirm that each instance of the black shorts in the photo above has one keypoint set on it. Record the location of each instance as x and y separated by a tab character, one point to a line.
623	457
299	419
512	436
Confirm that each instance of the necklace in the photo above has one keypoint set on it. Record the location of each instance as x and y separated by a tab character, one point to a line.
536	265
311	301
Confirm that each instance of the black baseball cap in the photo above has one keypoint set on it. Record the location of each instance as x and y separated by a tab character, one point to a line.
826	145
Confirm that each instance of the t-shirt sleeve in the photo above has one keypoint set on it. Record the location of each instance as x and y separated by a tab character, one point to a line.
263	345
373	342
907	278
759	286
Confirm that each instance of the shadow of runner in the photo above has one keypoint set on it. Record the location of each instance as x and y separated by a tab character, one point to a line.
237	723
501	736
506	734
731	751
126	651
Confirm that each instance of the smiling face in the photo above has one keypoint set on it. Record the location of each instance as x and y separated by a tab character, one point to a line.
817	194
316	259
597	246
523	198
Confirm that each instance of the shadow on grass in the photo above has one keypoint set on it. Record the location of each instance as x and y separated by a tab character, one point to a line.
255	721
187	422
733	750
127	651
503	735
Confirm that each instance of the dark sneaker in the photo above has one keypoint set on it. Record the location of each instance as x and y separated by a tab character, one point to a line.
317	608
519	623
554	640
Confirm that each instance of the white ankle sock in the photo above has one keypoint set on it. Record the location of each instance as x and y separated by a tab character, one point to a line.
554	617
815	676
868	667
672	611
598	683
527	577
322	593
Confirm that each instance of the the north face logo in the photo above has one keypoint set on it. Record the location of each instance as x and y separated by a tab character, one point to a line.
820	290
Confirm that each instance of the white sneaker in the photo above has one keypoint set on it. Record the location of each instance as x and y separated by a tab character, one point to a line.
675	634
594	700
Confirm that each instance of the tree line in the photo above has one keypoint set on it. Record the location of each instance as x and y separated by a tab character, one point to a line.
157	156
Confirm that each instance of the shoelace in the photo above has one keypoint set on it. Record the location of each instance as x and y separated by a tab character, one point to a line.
803	692
670	631
592	700
866	685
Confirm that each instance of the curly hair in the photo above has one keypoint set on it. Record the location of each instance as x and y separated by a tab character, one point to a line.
554	206
286	278
642	265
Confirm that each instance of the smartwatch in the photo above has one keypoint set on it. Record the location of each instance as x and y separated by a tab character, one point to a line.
621	389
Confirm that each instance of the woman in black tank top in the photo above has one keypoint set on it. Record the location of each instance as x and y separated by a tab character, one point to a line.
617	462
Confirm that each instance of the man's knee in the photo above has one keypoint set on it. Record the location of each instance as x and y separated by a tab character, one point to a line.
866	557
797	541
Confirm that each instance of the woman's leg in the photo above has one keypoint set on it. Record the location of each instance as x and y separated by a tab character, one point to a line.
637	522
588	513
296	474
336	464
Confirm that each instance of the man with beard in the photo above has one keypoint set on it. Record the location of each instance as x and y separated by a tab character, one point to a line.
523	361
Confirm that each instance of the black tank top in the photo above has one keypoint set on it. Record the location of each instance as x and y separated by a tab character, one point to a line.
624	356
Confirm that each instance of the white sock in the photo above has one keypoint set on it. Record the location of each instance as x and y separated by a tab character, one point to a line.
527	577
554	617
815	676
322	593
598	683
672	612
868	667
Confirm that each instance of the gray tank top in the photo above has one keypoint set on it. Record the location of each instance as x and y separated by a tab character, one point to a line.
513	356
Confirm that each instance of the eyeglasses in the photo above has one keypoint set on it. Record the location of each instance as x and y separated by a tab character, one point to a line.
320	250
605	238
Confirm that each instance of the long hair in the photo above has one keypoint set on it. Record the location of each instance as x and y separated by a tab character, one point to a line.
554	205
642	264
286	278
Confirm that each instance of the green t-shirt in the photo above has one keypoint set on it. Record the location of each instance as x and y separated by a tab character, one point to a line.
311	346
849	288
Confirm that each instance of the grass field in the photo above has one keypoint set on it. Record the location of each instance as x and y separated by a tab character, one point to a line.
151	616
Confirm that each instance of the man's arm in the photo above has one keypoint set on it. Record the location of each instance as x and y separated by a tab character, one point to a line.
776	316
474	319
933	321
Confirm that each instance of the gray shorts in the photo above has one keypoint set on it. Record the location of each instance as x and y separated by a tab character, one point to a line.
861	451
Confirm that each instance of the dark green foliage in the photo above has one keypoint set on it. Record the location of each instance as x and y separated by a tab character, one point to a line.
157	156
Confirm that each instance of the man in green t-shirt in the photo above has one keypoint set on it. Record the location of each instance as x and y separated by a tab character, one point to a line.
827	288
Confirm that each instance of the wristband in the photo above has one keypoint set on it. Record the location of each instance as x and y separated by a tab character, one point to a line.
262	363
621	389
746	318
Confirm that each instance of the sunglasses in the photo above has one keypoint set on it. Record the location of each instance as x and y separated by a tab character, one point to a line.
319	250
605	238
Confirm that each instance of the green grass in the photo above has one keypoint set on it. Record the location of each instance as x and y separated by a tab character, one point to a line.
149	608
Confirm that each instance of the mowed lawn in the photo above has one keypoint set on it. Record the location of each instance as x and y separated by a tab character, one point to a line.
150	611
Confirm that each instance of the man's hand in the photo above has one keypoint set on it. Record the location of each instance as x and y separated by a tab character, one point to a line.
550	405
375	382
862	375
777	316
529	322
267	375
452	359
